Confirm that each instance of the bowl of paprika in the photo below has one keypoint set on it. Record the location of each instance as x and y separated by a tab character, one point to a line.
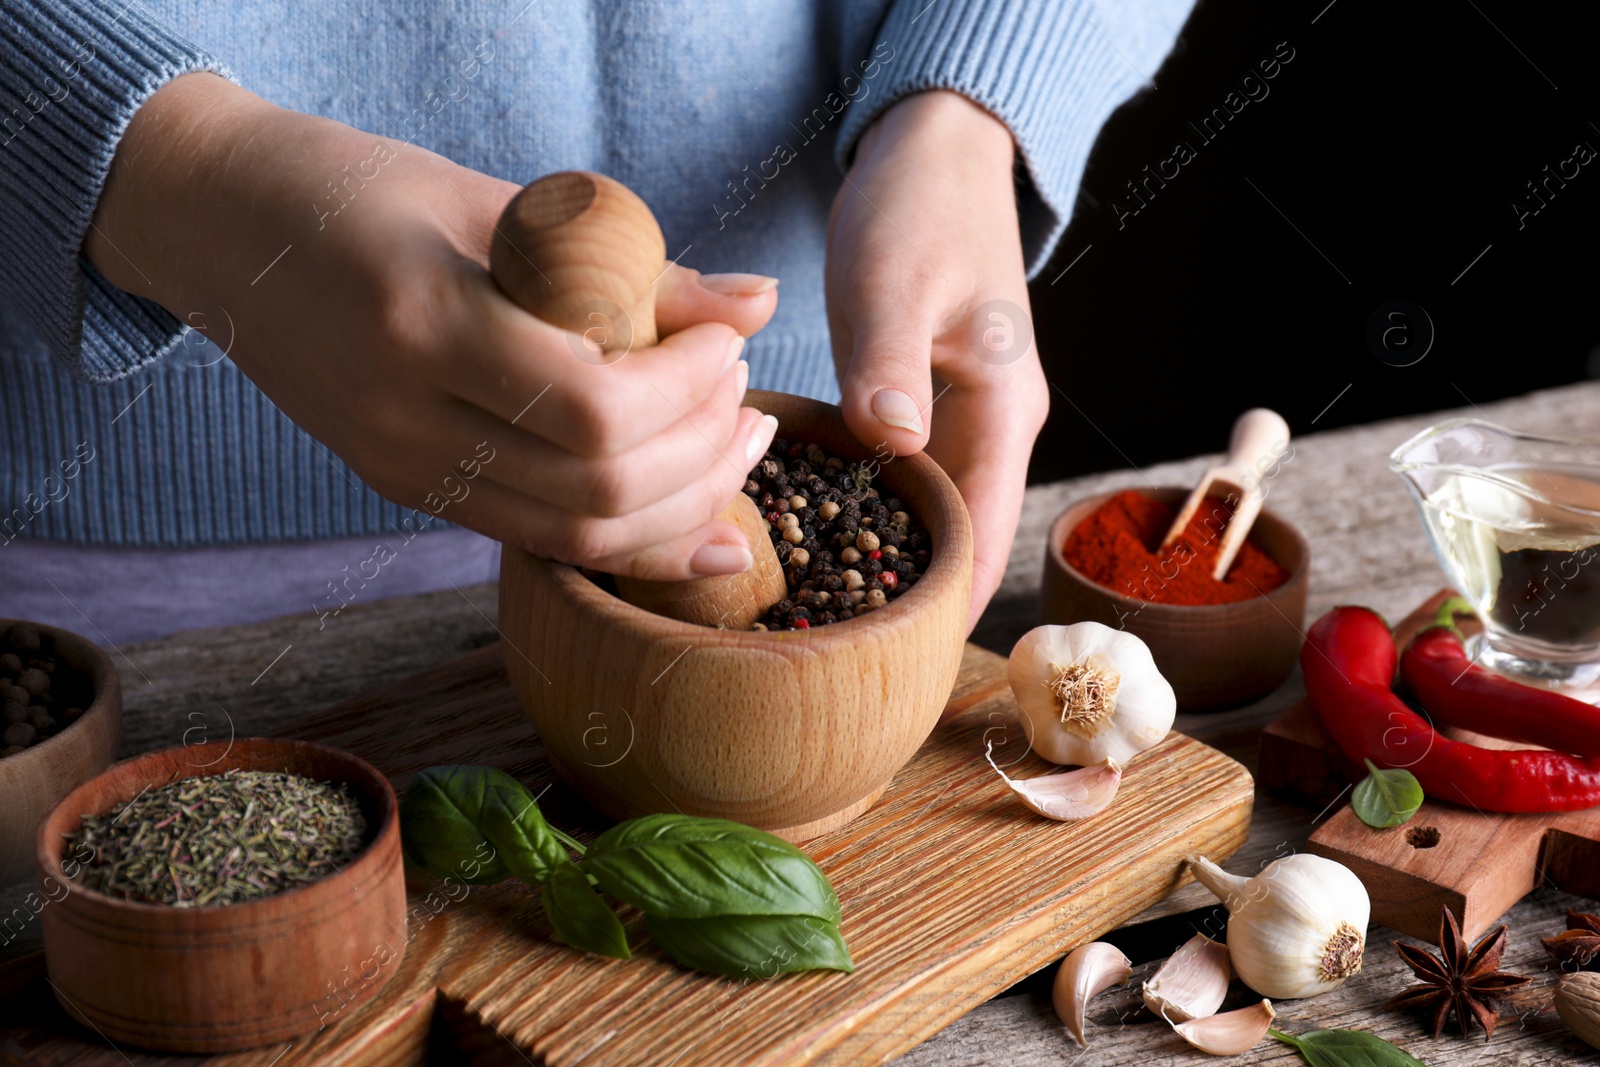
1219	643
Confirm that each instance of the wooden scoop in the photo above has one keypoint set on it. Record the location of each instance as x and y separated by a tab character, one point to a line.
1259	438
582	252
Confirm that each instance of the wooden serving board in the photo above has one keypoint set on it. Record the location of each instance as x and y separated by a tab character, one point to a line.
1478	863
951	889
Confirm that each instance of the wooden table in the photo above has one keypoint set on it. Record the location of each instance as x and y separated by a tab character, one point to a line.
1367	548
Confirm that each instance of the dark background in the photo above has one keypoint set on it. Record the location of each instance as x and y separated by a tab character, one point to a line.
1396	140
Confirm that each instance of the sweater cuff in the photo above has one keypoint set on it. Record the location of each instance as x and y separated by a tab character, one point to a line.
1052	71
73	75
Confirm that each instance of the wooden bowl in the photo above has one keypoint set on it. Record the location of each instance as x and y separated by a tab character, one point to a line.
33	780
219	979
1215	656
796	732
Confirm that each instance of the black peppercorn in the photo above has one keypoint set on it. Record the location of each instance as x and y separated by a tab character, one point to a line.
11	663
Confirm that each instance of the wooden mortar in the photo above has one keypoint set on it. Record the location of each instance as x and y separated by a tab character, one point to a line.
33	780
219	979
582	252
795	731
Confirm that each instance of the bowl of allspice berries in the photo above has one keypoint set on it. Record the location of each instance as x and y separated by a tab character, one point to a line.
794	719
62	723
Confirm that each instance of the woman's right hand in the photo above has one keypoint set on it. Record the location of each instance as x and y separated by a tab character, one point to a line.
347	275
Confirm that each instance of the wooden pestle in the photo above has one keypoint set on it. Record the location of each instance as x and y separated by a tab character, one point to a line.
583	252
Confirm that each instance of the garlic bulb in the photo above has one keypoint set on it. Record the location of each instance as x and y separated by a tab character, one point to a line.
1192	983
1087	971
1294	930
1089	693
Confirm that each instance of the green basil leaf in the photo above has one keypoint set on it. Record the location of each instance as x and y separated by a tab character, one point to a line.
580	917
478	825
1347	1048
685	867
1386	798
753	946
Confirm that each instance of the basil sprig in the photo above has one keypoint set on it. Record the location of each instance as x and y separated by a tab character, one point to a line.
718	896
1347	1048
1386	798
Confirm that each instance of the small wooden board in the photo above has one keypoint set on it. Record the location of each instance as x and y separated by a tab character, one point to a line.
1477	863
952	891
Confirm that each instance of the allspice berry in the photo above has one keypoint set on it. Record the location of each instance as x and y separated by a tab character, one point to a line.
22	637
35	681
866	541
20	733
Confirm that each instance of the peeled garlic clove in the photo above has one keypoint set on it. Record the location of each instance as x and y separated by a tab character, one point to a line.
1071	795
1087	971
1231	1033
1295	930
1089	693
1192	983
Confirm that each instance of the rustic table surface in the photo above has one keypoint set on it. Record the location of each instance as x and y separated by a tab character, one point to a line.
1367	548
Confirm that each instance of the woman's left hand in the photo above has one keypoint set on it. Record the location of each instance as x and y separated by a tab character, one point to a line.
928	307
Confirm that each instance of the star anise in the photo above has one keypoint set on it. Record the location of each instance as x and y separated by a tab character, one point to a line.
1576	948
1470	983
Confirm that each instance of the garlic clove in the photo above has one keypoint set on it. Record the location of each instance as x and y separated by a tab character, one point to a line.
1087	971
1295	930
1192	983
1067	796
1231	1033
1089	693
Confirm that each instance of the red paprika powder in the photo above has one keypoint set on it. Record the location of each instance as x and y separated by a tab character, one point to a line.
1119	547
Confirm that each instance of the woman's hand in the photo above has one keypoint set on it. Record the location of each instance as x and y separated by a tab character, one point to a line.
928	306
346	275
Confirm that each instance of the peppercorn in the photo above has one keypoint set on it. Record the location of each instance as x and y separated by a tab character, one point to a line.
850	555
781	505
752	489
890	579
15	712
828	510
877	598
889	552
832	583
758	626
797	502
799	558
870	567
20	733
852	579
866	540
802	624
787	520
793	535
11	663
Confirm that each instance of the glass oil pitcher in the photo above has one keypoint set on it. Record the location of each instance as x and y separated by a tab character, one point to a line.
1515	521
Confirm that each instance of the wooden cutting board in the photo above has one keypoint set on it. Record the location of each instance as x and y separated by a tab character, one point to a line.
1477	863
952	891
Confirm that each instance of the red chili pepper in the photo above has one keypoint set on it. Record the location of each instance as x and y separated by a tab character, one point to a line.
1349	660
1457	692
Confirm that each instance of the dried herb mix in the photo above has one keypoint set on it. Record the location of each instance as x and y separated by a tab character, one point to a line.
846	550
219	839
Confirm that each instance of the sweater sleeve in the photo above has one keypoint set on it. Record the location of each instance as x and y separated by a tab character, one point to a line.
72	74
1052	70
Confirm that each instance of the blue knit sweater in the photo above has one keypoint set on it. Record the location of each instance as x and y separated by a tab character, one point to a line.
732	118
